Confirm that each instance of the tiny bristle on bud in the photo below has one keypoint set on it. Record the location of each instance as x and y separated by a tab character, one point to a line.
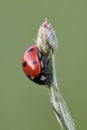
46	24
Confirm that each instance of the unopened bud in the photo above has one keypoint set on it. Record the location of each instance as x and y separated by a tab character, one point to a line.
46	38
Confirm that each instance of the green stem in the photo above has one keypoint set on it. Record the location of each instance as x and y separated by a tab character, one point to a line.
47	44
58	103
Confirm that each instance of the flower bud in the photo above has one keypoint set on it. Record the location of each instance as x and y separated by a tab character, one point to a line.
46	38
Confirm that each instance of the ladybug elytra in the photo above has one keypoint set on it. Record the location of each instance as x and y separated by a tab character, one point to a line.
36	66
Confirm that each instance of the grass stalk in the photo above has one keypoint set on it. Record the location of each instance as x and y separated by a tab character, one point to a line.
47	44
58	104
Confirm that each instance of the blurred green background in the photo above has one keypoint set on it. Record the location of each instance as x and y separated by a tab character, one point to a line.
23	104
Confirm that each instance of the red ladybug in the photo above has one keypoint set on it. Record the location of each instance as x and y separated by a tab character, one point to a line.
36	66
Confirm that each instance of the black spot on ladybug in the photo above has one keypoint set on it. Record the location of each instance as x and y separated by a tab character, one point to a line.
24	63
34	62
31	49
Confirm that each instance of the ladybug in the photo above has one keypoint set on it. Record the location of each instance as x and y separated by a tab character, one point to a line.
36	66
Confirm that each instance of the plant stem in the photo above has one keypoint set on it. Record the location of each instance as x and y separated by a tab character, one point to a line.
47	44
58	103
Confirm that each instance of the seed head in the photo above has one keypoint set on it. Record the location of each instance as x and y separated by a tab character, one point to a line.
46	38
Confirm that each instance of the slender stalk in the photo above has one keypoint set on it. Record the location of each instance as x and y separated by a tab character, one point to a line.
58	104
47	44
